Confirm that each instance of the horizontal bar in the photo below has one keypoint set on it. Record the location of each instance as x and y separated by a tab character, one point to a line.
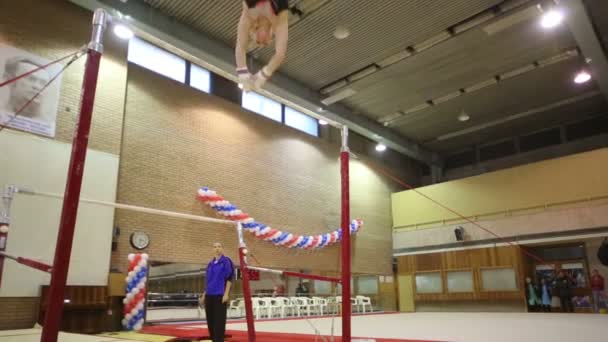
295	274
133	208
28	262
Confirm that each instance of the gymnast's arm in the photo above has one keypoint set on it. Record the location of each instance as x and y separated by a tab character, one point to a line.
242	39
281	35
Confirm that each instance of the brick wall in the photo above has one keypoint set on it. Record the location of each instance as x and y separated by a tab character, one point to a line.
177	139
52	29
18	313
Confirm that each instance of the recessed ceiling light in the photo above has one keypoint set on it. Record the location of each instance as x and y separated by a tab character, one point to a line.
463	117
322	122
341	32
123	32
320	110
551	19
582	77
240	86
380	147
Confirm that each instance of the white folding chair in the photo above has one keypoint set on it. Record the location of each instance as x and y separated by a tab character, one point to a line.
320	303
285	306
363	301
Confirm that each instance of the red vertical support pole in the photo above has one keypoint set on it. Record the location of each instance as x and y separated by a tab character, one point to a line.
246	287
69	211
346	262
5	221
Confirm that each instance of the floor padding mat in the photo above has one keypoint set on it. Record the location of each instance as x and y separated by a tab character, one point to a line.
185	333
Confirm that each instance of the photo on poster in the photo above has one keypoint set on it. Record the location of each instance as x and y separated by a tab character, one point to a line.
40	115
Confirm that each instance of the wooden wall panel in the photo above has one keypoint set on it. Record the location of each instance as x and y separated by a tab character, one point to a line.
428	262
473	260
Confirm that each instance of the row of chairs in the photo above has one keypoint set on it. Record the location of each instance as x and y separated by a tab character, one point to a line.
270	307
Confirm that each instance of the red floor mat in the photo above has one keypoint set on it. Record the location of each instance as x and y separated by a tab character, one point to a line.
240	336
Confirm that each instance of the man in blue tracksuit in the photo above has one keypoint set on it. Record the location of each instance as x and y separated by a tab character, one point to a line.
220	272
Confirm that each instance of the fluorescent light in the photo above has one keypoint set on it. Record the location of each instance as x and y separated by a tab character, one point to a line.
123	32
551	19
582	77
380	148
322	122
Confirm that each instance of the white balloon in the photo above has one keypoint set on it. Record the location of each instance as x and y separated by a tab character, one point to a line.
141	285
145	256
131	257
125	301
124	322
140	306
135	291
137	269
128	316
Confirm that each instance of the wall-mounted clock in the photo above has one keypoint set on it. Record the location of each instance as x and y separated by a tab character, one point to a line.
139	240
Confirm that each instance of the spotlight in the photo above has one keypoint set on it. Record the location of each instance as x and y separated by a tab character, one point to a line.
322	122
380	147
240	86
341	32
463	117
551	19
123	32
582	77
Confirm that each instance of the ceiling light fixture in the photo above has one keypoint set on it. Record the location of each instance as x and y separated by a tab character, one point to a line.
582	77
322	122
463	117
380	147
341	32
123	32
551	19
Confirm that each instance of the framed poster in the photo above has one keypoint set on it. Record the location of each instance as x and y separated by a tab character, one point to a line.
40	115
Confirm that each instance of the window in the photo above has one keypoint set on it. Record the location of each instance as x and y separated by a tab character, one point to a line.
460	281
301	122
367	285
322	287
200	78
262	105
429	283
156	59
502	279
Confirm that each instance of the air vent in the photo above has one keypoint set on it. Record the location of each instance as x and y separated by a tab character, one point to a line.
390	117
394	59
363	73
447	97
340	95
333	87
417	108
558	58
473	22
443	36
517	72
481	85
511	20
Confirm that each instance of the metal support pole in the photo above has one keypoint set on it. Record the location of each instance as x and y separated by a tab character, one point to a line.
346	262
246	287
69	211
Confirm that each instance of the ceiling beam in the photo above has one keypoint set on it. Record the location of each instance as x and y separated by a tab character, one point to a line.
219	58
582	29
